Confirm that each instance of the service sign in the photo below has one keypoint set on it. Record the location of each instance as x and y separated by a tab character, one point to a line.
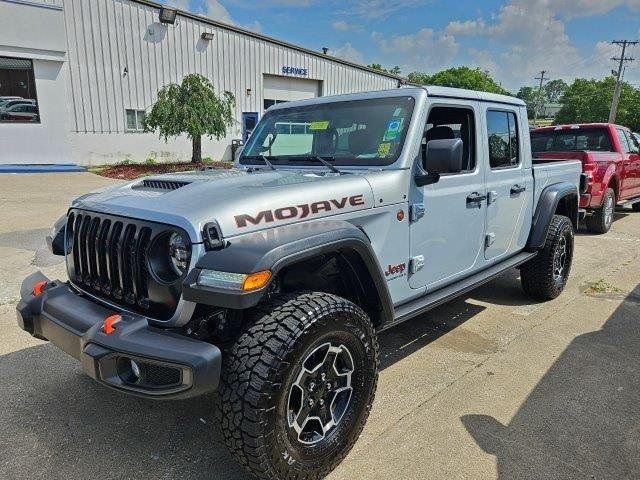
303	72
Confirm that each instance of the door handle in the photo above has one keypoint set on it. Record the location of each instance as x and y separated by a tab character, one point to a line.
475	199
517	189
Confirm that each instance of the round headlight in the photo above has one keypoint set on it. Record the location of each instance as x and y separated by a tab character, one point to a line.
169	256
179	252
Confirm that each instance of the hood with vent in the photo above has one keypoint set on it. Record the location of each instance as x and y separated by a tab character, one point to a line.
240	201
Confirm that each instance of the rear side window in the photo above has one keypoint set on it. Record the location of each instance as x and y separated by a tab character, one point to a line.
624	143
503	141
571	140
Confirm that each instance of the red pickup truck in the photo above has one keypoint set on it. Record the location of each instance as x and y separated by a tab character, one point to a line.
610	156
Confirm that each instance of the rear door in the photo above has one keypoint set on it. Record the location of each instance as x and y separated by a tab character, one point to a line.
505	180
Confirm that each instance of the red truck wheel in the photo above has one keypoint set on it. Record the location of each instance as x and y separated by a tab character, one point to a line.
602	218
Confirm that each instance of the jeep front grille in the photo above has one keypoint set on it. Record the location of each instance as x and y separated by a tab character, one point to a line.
108	258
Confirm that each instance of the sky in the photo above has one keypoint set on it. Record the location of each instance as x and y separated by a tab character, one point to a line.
512	39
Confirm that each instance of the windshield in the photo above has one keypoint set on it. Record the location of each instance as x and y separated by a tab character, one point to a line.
573	140
358	132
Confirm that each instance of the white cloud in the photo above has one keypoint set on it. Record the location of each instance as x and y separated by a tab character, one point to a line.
375	9
425	49
348	52
340	25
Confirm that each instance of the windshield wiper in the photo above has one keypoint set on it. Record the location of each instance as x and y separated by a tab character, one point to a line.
318	158
267	162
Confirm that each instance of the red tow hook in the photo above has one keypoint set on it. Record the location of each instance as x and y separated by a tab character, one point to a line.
38	287
109	322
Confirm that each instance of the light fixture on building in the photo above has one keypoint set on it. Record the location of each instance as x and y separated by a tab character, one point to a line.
168	15
325	50
207	36
248	92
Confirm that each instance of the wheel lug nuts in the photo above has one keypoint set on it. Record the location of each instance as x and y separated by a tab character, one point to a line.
323	377
329	386
312	386
321	402
310	402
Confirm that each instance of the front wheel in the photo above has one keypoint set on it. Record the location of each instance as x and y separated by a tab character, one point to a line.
297	386
545	276
636	207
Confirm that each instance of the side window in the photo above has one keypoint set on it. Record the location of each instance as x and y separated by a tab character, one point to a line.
449	123
503	139
626	148
633	143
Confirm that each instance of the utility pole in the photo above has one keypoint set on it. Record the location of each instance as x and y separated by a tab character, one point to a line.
616	94
537	106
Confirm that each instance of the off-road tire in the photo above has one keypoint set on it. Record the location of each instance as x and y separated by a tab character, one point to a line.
601	219
253	406
539	275
636	207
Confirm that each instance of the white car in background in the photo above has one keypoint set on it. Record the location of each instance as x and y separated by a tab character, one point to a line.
20	113
6	105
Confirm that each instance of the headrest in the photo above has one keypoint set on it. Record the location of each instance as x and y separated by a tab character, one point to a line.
439	133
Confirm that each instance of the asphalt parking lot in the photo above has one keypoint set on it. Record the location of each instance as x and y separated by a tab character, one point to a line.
490	386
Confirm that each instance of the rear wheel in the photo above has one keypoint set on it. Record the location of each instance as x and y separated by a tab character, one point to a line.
636	207
602	218
297	387
545	276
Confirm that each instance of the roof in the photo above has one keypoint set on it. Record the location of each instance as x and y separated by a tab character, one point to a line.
435	91
412	91
266	38
568	126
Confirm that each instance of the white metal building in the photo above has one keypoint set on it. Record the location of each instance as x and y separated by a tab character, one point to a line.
92	67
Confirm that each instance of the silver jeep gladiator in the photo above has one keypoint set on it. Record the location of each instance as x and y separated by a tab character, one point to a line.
268	283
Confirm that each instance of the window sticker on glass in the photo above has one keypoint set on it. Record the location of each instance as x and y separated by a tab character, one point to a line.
319	125
398	112
384	149
393	129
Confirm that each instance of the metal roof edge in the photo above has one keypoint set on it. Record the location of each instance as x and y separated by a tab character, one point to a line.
272	40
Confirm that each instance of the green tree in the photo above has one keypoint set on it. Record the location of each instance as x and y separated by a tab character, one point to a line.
192	108
530	96
459	77
590	100
554	90
393	71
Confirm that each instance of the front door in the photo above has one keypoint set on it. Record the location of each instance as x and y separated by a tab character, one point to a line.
249	122
448	239
633	166
505	180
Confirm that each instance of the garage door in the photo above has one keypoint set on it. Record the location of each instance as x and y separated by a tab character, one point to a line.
285	89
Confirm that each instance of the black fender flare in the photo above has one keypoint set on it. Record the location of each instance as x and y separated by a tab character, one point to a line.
277	248
547	206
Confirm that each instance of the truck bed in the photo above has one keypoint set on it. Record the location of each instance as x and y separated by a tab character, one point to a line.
547	172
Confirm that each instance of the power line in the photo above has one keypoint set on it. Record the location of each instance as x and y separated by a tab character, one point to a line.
621	59
537	106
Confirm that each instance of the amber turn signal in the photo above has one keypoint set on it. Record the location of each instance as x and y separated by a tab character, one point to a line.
38	287
257	280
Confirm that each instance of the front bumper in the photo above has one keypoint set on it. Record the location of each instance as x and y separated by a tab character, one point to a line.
169	365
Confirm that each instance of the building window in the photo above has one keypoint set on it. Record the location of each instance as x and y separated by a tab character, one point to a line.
135	120
18	100
503	139
269	103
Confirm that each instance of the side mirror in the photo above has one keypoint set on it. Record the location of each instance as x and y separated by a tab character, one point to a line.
441	157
